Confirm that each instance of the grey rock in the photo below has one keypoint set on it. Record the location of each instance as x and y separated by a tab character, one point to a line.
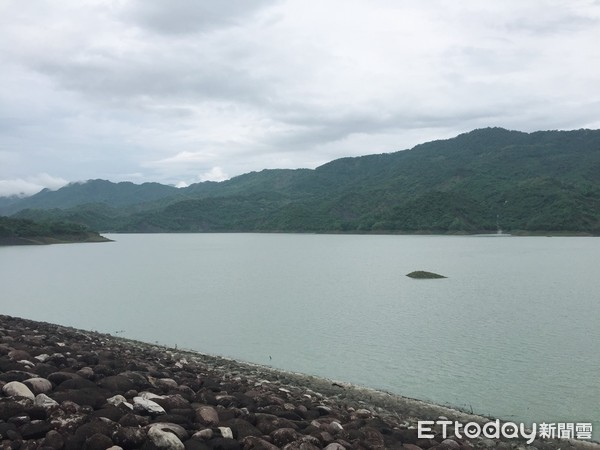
130	437
363	413
16	375
5	428
226	432
144	405
335	446
242	428
177	430
44	401
207	433
20	420
90	396
267	424
134	420
13	435
149	395
373	438
17	389
450	444
164	383
164	439
96	426
324	437
195	444
324	410
336	427
138	379
487	443
97	442
38	385
59	377
76	383
42	358
256	443
116	383
207	415
35	430
225	444
116	400
54	439
19	355
284	436
86	372
301	445
10	407
110	412
170	402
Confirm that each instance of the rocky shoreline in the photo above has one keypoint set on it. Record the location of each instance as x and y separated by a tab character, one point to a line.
64	388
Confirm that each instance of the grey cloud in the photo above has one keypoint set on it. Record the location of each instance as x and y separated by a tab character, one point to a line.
314	131
184	74
121	81
9	124
254	84
552	24
185	16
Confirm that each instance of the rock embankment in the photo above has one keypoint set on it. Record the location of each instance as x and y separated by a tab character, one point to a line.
70	389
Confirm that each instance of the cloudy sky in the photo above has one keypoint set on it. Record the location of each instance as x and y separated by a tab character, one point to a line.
182	91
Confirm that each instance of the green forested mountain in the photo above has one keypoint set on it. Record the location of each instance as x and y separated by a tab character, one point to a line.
482	181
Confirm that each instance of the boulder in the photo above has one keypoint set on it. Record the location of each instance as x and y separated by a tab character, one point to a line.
10	407
17	389
130	437
164	439
35	429
141	404
284	436
38	385
242	428
177	430
116	383
207	415
44	401
97	442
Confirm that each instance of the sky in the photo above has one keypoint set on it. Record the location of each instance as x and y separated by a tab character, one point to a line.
183	91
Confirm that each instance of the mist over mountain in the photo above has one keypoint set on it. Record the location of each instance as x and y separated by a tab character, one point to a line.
482	181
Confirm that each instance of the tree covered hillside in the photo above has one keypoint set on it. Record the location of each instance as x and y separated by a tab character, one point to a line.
482	181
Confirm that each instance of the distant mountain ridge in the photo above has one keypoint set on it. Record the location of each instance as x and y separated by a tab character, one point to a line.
481	181
93	191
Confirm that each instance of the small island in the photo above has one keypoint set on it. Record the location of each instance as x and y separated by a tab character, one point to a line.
28	232
423	275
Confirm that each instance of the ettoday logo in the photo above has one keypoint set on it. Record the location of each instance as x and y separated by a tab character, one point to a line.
507	430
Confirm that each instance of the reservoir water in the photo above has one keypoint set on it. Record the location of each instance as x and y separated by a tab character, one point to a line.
513	332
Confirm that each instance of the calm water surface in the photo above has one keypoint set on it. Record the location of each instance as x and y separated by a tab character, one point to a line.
512	332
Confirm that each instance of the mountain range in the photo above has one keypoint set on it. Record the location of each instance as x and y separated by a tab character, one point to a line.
479	182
